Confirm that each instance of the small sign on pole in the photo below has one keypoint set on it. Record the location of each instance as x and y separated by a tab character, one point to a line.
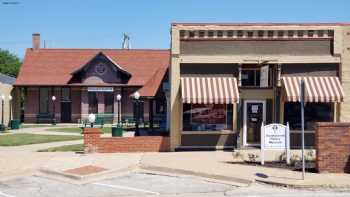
302	105
275	137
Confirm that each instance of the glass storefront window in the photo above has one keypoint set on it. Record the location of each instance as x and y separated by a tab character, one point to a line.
314	112
207	117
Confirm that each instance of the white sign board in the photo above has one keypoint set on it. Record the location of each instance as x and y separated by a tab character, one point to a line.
264	76
100	89
275	137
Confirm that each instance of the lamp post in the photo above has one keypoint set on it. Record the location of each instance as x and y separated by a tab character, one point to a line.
137	101
53	98
10	111
92	118
2	127
119	98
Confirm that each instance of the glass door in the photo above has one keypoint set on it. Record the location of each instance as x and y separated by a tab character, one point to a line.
254	116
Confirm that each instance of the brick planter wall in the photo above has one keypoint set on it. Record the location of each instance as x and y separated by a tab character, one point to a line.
332	144
94	143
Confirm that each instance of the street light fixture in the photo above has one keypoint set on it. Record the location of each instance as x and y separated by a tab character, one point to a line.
137	101
53	98
119	98
92	118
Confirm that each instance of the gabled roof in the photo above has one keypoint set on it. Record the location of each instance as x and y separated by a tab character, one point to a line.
151	87
54	67
118	67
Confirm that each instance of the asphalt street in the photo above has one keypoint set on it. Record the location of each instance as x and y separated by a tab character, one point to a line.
140	184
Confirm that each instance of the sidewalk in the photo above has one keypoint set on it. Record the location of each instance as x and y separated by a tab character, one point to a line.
218	165
210	165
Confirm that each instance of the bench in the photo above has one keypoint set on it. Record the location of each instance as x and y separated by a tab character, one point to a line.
44	118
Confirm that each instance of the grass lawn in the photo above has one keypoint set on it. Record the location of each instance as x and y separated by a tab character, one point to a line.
66	148
77	129
25	139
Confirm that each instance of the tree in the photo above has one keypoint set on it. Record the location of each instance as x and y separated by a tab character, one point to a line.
9	63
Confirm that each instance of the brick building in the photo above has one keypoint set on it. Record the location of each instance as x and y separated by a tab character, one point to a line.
88	81
226	79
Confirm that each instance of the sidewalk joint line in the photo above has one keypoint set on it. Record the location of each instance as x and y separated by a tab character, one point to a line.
127	188
5	195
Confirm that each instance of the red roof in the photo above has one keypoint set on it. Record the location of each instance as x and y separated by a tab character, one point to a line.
55	66
264	24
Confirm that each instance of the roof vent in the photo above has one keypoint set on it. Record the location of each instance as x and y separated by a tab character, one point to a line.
126	42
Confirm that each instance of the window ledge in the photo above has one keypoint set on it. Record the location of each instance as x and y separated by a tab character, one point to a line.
208	132
299	131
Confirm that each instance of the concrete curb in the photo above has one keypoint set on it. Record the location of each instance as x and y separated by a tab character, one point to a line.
302	186
87	178
225	179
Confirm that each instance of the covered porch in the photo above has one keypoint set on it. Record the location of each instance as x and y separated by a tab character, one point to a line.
72	104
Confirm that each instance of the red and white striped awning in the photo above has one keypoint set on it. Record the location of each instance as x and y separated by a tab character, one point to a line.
209	90
317	89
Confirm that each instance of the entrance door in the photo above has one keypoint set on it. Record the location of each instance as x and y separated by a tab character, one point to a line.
66	111
254	116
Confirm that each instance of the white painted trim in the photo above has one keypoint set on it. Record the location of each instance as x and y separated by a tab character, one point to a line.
245	118
198	147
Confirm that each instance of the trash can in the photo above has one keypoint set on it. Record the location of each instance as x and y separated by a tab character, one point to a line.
117	131
15	124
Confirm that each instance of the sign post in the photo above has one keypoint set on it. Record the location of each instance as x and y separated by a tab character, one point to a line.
302	100
275	137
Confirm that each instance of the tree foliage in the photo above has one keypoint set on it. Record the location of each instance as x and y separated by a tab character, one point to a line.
9	63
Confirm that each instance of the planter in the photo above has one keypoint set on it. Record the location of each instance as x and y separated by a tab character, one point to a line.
117	131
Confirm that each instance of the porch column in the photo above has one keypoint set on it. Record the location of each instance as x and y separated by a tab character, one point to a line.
239	75
56	92
150	113
116	106
279	69
16	102
101	102
84	104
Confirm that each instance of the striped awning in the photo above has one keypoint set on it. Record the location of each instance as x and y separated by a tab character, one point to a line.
317	89
209	90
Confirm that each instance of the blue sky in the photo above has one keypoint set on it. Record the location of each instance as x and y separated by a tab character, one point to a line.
101	23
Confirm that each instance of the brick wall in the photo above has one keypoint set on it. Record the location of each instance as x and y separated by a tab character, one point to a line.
94	143
332	144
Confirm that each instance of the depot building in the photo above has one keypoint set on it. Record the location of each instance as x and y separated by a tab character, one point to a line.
85	81
228	79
